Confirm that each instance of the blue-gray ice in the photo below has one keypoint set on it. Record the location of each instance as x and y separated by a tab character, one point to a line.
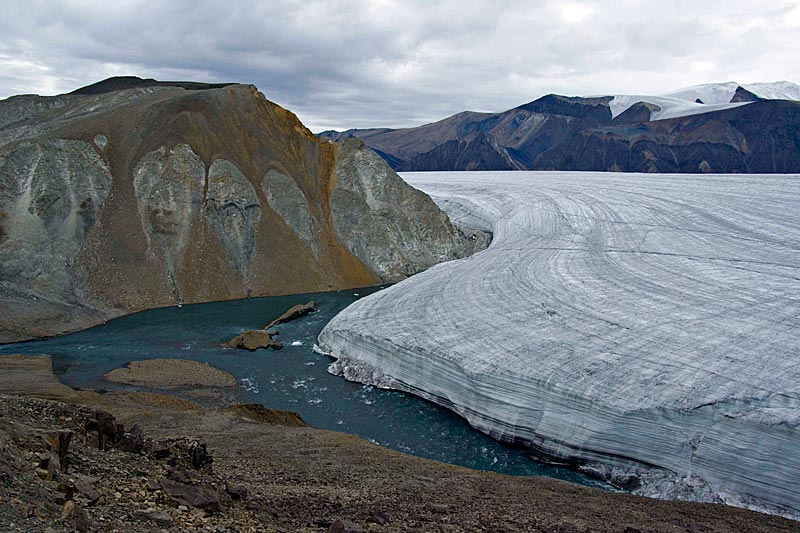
646	325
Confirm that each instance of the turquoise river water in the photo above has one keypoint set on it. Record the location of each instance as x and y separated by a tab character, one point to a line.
294	378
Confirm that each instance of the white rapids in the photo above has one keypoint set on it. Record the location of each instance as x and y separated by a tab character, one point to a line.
646	327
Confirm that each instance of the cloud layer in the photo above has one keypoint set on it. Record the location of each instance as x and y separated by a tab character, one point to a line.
352	63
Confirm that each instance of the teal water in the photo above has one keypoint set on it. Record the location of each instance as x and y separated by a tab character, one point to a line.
294	378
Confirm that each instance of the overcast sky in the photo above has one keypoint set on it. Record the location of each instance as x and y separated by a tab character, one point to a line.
343	64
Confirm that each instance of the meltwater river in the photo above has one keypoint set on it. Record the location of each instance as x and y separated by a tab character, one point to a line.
294	378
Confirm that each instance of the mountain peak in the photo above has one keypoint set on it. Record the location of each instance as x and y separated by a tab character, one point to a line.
120	83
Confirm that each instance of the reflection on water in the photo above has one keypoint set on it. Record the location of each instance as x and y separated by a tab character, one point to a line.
294	378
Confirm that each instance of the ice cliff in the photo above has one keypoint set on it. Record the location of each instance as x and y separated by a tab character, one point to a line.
644	328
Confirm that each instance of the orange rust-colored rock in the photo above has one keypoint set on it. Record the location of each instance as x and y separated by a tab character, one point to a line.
132	195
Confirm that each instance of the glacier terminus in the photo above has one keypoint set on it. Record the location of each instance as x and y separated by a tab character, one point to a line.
645	328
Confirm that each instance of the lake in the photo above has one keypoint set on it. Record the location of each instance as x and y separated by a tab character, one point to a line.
294	378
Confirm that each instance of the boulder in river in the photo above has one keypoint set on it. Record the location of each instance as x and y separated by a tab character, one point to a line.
298	311
255	339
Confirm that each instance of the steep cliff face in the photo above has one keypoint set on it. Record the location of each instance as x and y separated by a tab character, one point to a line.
384	234
116	199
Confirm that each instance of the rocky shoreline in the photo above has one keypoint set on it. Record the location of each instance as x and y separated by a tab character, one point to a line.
141	461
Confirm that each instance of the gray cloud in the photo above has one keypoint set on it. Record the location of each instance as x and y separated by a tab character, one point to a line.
352	63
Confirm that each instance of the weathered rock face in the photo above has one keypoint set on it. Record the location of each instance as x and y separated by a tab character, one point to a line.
134	195
381	231
51	195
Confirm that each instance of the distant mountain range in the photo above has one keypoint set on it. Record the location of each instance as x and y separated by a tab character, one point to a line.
722	127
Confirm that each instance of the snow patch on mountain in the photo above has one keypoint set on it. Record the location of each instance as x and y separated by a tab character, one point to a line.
714	97
670	107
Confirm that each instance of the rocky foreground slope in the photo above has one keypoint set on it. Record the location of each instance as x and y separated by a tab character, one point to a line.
140	461
641	327
715	128
131	194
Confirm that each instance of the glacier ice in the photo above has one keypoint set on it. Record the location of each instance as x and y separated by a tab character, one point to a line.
715	97
646	327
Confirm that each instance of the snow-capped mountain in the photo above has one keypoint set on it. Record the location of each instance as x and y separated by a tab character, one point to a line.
706	98
723	93
718	127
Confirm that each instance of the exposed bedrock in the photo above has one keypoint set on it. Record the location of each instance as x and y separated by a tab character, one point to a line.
142	195
384	233
643	327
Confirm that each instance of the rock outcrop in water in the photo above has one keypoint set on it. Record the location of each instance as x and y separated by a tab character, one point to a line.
132	194
293	313
254	339
643	327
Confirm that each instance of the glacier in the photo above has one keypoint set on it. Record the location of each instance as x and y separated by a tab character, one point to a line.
715	97
645	328
669	107
722	93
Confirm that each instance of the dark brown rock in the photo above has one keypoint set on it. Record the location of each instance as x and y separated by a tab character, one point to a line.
743	95
58	441
105	425
199	456
156	449
159	518
345	526
88	491
132	441
68	491
46	470
190	495
295	312
379	517
74	514
237	492
255	339
180	475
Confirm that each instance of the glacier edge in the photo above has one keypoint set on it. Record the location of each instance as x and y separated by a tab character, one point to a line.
560	373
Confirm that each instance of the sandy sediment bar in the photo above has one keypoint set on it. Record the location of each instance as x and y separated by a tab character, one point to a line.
171	373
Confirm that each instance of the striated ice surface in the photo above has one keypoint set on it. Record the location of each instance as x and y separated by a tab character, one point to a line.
644	326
